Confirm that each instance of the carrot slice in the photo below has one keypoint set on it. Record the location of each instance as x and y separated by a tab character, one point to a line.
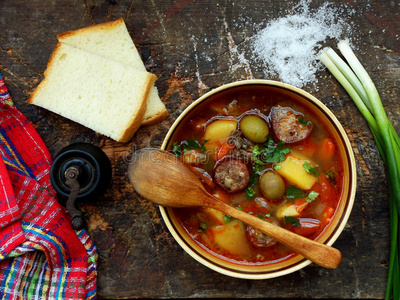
224	150
326	150
307	148
301	204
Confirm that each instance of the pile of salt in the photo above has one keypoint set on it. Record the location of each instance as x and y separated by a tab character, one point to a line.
288	47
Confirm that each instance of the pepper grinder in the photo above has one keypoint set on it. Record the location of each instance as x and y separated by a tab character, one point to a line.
80	172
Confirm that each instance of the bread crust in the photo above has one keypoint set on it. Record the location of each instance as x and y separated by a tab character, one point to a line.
102	26
156	118
137	121
31	99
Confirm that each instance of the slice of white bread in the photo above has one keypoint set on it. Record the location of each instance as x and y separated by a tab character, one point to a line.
113	41
99	93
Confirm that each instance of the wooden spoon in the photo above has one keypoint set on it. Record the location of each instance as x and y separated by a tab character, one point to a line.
163	179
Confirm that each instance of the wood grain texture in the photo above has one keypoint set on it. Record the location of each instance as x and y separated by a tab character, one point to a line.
194	46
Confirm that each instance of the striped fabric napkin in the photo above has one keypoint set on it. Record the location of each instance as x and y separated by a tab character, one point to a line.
41	256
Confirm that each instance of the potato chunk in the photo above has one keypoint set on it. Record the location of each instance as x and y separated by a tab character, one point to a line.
292	169
218	132
219	129
232	237
288	210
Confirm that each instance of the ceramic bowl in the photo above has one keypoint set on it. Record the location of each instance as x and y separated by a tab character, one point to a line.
341	216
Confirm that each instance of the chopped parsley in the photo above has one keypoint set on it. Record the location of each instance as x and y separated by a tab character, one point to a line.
227	218
275	153
249	192
304	122
176	149
264	217
331	176
269	152
252	182
291	220
277	167
189	145
293	192
203	147
310	170
312	196
203	226
185	146
257	163
269	142
253	179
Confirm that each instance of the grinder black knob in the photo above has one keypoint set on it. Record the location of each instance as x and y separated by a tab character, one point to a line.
80	172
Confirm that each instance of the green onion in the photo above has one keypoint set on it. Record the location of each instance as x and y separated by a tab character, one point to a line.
356	81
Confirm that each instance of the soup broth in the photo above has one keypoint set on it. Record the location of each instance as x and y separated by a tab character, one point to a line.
264	151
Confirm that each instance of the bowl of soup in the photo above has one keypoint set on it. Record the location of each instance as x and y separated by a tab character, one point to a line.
273	151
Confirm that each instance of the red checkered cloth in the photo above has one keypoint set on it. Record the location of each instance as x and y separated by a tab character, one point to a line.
41	256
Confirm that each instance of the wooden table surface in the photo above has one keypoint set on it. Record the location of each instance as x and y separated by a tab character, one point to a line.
193	47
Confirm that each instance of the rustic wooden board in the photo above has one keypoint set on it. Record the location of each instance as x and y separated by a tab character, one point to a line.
193	47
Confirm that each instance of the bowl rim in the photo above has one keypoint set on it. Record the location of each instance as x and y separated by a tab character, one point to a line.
352	179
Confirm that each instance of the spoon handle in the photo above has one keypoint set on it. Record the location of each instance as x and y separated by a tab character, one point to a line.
321	254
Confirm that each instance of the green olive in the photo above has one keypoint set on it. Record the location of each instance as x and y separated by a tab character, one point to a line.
272	185
254	128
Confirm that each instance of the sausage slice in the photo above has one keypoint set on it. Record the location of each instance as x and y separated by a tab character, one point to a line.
286	124
259	239
231	175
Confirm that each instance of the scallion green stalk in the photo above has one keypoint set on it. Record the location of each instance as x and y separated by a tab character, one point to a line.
379	113
356	81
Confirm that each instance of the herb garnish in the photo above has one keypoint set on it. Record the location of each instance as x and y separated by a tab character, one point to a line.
312	196
310	170
331	176
301	121
293	220
185	146
176	149
203	147
257	163
252	182
274	153
249	192
203	226
227	218
189	145
268	153
293	192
